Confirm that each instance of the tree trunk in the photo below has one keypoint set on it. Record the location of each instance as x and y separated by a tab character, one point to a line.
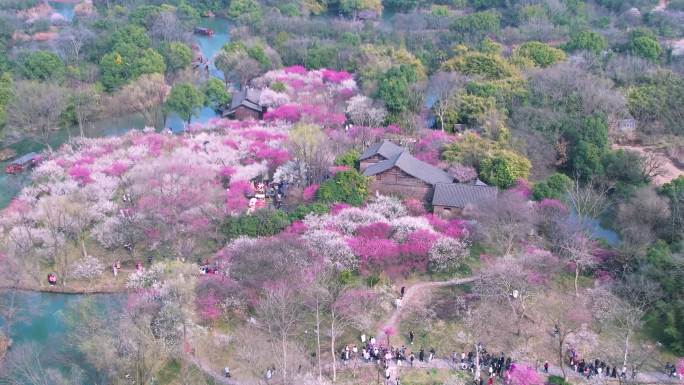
577	271
332	346
560	355
477	362
624	362
284	347
83	247
318	340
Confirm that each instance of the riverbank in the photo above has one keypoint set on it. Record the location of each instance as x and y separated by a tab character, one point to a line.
107	284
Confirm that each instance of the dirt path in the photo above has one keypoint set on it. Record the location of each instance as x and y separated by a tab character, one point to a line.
218	377
412	295
418	291
668	170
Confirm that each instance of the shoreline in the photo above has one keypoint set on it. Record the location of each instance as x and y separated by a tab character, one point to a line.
66	289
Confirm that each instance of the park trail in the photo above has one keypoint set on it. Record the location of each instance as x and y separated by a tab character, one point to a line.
412	297
218	378
418	291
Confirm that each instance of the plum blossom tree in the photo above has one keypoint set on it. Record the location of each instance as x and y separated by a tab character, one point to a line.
361	112
332	248
387	206
87	268
525	375
446	254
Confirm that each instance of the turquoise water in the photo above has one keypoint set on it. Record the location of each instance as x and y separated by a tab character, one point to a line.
41	321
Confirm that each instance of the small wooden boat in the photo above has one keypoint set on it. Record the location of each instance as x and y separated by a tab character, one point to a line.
23	163
204	31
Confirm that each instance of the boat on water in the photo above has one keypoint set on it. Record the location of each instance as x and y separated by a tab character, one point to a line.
22	163
204	31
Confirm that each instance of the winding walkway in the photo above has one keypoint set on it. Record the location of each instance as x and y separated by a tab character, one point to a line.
412	295
417	291
204	367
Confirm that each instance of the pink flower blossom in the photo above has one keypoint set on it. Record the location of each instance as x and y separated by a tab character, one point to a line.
418	243
523	188
378	230
209	307
297	69
336	208
116	169
309	192
226	171
297	227
415	207
80	174
236	199
288	112
454	228
525	375
552	204
393	129
335	76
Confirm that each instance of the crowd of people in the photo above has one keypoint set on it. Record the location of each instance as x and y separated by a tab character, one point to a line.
491	366
596	367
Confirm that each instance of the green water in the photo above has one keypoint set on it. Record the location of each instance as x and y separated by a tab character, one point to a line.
41	320
11	185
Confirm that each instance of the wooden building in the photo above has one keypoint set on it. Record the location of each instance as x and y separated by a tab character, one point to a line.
245	106
451	198
394	171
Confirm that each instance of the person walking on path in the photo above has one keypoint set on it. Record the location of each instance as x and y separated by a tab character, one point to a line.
546	367
411	335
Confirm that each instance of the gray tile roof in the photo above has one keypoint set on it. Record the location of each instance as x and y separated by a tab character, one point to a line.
248	97
461	194
386	149
412	166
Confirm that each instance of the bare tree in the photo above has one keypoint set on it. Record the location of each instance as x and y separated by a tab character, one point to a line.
280	309
564	316
651	166
72	40
644	217
35	109
589	200
507	221
87	103
308	145
577	247
237	67
24	366
144	96
507	282
443	86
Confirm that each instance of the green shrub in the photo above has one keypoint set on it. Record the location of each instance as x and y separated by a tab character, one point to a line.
347	186
554	187
303	210
349	159
265	222
557	380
